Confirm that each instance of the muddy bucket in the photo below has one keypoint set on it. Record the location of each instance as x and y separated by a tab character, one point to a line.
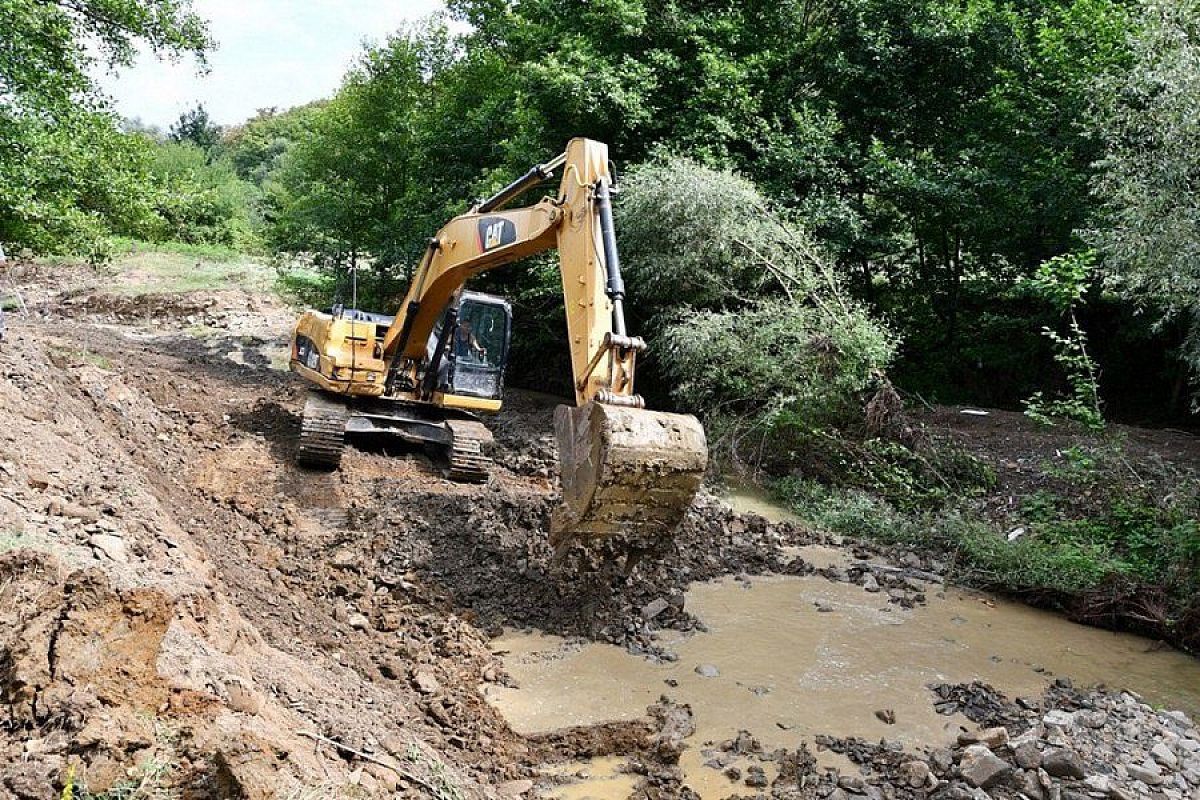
626	472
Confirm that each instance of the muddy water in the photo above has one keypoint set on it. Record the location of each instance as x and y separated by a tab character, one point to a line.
788	671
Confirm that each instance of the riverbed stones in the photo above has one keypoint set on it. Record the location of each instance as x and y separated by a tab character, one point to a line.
981	768
1062	762
1164	756
1027	755
915	773
112	547
1059	718
992	737
1147	773
707	671
654	608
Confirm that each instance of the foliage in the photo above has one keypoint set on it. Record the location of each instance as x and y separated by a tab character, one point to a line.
1106	536
1146	117
257	147
50	46
66	183
750	322
201	201
1062	281
194	127
68	176
344	192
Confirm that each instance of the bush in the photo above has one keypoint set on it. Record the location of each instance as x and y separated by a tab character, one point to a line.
753	328
201	202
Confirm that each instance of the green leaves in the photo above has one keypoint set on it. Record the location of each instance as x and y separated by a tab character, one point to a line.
1147	117
68	177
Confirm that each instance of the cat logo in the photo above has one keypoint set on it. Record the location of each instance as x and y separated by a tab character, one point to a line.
496	232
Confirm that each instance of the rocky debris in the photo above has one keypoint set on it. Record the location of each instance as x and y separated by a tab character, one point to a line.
981	768
992	737
112	547
1062	762
707	671
654	608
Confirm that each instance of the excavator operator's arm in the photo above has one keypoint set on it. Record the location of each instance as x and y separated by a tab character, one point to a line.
578	222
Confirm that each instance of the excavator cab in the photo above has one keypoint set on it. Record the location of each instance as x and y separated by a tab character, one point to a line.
479	348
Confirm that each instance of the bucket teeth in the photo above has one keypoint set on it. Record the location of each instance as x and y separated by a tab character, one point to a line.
626	472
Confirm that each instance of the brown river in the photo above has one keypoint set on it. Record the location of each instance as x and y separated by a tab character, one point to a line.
786	671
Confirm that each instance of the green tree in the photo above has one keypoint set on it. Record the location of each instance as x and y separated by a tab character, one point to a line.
195	127
1149	233
68	177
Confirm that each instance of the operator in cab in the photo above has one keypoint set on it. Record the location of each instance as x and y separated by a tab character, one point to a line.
465	342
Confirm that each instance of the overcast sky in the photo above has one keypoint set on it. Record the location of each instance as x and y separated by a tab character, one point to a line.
270	53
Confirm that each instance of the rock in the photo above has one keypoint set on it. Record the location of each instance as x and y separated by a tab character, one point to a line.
755	777
1059	718
242	698
733	773
1091	719
1164	756
1027	755
358	621
425	682
1148	774
870	584
707	671
886	715
1063	763
1029	785
824	608
1098	783
514	788
992	737
981	768
853	784
915	773
75	511
654	608
941	760
391	667
113	547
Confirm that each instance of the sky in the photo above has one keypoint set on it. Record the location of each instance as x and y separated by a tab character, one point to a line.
270	53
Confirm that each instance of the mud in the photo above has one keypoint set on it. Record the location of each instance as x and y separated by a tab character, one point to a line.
183	608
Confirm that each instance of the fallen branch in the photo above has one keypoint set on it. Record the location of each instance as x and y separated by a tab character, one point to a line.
403	773
905	572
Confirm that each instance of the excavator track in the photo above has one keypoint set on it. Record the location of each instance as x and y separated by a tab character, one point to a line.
468	461
322	432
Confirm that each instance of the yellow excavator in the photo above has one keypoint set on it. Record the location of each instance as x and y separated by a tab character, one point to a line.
427	373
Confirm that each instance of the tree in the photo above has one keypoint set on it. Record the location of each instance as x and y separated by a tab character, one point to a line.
50	45
68	177
194	126
1149	233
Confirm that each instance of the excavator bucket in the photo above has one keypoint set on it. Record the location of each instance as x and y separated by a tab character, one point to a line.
626	472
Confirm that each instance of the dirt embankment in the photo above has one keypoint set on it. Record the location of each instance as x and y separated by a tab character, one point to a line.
181	606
